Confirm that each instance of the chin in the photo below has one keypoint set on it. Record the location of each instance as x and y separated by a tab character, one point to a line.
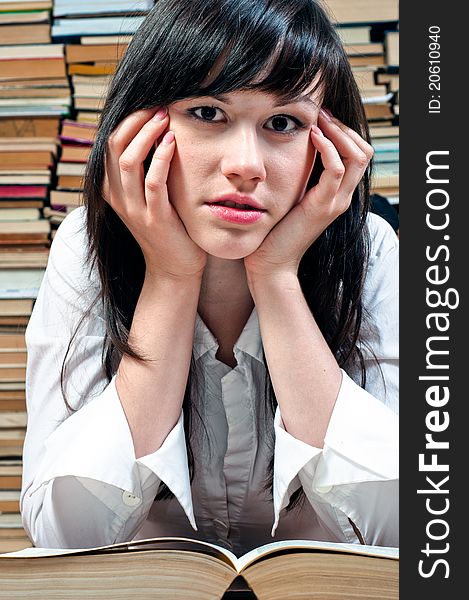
230	251
229	255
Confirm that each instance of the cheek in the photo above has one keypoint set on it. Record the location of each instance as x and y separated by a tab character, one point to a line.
194	167
184	168
303	169
293	170
305	160
310	162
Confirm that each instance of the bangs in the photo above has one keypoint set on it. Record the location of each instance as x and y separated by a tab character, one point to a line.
284	58
190	48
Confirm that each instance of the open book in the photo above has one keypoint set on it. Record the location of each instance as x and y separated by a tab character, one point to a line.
184	569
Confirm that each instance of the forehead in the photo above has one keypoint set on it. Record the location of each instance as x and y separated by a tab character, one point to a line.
309	100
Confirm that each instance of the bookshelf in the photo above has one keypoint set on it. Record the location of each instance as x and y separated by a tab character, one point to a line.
56	60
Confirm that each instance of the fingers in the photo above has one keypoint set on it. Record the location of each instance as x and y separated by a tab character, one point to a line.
128	146
334	169
132	158
345	156
155	181
353	150
357	138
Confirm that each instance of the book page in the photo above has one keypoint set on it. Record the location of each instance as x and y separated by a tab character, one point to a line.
167	543
276	547
180	543
39	552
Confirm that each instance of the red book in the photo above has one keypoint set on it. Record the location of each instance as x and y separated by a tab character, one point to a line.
23	191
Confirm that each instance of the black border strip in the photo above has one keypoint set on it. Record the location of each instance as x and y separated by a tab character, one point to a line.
445	133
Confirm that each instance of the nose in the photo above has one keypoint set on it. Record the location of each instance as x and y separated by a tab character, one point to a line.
243	158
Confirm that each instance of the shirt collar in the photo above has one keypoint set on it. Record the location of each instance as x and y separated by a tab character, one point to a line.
248	342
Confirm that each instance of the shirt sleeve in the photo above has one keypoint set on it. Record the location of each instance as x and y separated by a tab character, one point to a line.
82	484
352	482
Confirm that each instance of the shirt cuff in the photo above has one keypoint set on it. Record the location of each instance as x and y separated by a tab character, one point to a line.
96	443
169	463
361	444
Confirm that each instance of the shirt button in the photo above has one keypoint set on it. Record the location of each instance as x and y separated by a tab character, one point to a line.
130	499
325	489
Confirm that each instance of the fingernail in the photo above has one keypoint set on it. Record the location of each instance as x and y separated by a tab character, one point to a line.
316	130
326	114
168	138
160	115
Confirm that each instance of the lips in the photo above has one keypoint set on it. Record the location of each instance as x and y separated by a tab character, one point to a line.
237	201
230	204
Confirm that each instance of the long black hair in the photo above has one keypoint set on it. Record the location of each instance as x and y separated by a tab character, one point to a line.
190	48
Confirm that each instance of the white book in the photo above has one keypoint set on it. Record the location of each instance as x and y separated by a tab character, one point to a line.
378	99
384	145
28	102
99	25
25	2
72	7
25	179
20	283
33	111
354	35
10	520
65	168
32	51
14	419
19	214
105	39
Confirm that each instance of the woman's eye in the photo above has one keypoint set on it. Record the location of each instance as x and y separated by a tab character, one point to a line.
284	124
277	123
207	113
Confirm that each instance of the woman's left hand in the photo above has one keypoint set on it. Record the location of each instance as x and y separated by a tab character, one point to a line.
345	156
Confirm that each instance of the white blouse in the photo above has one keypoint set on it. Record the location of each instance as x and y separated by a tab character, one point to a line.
83	486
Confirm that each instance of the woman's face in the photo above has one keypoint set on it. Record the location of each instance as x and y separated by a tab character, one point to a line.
239	147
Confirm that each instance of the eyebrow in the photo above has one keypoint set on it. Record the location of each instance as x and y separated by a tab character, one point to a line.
299	99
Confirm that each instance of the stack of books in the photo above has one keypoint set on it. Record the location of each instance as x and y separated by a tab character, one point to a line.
385	178
18	288
366	58
390	75
370	35
385	139
96	36
76	140
34	96
13	418
363	11
25	21
12	534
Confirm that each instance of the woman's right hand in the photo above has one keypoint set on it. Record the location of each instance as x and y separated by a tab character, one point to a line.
142	201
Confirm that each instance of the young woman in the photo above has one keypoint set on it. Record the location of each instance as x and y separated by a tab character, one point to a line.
213	351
